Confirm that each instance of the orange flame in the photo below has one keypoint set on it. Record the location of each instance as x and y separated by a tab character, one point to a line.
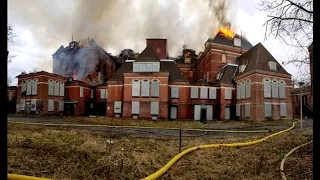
227	32
74	77
188	54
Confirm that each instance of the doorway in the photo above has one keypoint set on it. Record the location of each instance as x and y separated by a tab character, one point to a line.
203	114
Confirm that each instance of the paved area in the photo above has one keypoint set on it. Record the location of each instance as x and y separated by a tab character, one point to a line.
156	132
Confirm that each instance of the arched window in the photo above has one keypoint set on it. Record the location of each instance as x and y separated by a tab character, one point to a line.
145	85
50	87
135	88
275	88
238	91
282	89
155	87
242	68
248	88
56	88
23	86
29	87
243	90
267	88
34	87
61	88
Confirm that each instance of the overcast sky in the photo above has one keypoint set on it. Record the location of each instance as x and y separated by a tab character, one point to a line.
43	26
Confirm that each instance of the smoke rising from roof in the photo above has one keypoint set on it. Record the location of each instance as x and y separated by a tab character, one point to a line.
120	24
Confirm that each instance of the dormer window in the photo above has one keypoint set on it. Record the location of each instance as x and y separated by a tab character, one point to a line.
272	65
242	68
237	42
219	75
146	67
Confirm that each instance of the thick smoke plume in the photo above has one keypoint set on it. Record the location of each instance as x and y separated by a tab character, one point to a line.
121	24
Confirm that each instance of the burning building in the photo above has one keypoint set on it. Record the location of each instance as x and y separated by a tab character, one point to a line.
84	60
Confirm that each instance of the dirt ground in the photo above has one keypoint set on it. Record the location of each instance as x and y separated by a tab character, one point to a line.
67	153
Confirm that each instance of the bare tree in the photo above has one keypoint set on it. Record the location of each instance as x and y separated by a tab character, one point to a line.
10	36
292	22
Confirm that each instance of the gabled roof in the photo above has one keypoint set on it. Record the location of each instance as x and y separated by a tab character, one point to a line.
228	72
223	40
148	55
257	58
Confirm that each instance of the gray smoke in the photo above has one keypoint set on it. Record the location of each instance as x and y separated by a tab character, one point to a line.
121	24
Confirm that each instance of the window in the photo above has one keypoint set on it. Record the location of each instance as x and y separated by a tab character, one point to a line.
91	93
238	110
282	89
56	88
146	67
238	91
117	107
248	88
272	65
136	67
102	94
224	58
10	95
23	86
212	93
275	89
154	108
267	88
267	109
227	93
61	89
155	85
106	93
174	92
194	92
156	67
33	104
283	109
61	105
247	109
34	88
81	91
50	105
204	92
135	88
207	44
145	88
243	90
237	42
219	75
22	104
50	87
149	67
143	67
135	108
29	87
242	68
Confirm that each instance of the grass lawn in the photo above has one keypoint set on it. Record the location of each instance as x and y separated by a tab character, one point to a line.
173	124
66	153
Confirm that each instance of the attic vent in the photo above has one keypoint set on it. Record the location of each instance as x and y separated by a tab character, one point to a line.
272	65
237	42
242	68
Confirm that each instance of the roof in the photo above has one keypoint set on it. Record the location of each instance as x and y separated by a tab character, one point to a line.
165	66
223	40
228	72
257	58
303	90
148	55
41	73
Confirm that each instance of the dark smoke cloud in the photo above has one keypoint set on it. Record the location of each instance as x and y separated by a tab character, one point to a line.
120	24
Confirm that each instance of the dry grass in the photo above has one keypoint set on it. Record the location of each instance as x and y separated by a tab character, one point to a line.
171	123
67	153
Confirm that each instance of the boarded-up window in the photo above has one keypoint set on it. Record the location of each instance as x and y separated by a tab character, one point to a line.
267	88
61	89
102	94
61	105
275	89
197	111
173	112
227	93
224	58
149	67
136	67
194	92
50	88
117	107
33	104
283	109
227	113
145	88
29	86
238	110
282	89
267	109
143	67
22	104
56	88
34	88
135	88
248	89
174	92
238	91
155	88
209	112
247	109
91	93
135	108
156	67
212	93
50	105
243	91
204	92
154	108
272	65
10	95
81	91
106	93
23	86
